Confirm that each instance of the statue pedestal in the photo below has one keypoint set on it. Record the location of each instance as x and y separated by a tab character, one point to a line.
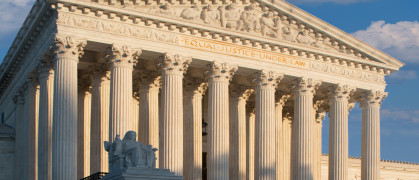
141	173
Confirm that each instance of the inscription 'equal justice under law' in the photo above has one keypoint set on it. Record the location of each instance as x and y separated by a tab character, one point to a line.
241	51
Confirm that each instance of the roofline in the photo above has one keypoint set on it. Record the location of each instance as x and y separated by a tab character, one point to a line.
298	13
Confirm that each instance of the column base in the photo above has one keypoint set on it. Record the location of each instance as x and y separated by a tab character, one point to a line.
141	173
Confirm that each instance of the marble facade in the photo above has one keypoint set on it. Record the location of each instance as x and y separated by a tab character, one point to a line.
262	74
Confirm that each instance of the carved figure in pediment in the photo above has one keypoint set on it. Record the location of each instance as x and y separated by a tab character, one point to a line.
270	26
249	19
230	16
192	13
211	15
304	38
319	43
164	9
289	31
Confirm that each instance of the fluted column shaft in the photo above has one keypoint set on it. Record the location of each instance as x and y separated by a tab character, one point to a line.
136	115
100	119
265	153
219	76
370	161
286	143
317	142
302	167
121	60
194	90
83	134
149	109
171	120
31	110
46	86
64	138
20	170
338	133
238	97
250	140
318	113
279	139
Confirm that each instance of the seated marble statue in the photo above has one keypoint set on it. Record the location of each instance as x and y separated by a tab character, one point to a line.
130	153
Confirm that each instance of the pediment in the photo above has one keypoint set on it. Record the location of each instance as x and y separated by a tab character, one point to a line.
279	22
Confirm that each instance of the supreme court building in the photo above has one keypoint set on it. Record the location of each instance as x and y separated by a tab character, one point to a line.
231	89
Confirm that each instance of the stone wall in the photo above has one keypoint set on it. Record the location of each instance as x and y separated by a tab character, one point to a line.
389	170
7	152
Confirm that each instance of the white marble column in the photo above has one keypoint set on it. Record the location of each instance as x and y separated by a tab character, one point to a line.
265	153
136	112
280	100
172	68
319	114
238	97
20	141
46	88
194	90
64	131
121	60
30	133
286	143
100	118
302	163
250	140
370	161
83	129
149	85
338	132
219	76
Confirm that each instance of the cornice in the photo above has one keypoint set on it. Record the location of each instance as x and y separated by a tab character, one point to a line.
334	31
357	57
27	35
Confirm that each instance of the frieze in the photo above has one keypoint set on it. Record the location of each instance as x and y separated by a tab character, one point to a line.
116	28
346	72
213	46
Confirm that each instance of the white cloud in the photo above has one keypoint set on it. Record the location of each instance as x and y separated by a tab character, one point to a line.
400	40
325	1
403	75
12	15
401	115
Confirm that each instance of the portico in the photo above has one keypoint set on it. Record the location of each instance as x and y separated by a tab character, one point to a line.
160	69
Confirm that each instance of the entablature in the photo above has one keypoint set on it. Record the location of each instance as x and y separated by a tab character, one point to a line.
264	24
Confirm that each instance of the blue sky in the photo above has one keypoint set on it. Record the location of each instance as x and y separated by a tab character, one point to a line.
389	25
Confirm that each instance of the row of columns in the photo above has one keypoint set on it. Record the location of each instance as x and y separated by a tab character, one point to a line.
227	157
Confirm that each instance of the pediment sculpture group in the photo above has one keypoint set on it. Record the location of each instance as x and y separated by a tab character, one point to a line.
248	19
128	152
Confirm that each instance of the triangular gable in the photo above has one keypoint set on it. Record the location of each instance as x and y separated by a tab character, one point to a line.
277	20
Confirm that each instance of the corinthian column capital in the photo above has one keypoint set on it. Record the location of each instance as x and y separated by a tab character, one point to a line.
220	71
19	96
173	64
148	80
305	86
266	79
196	86
372	98
122	55
68	47
240	92
340	92
281	98
100	71
85	83
46	65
